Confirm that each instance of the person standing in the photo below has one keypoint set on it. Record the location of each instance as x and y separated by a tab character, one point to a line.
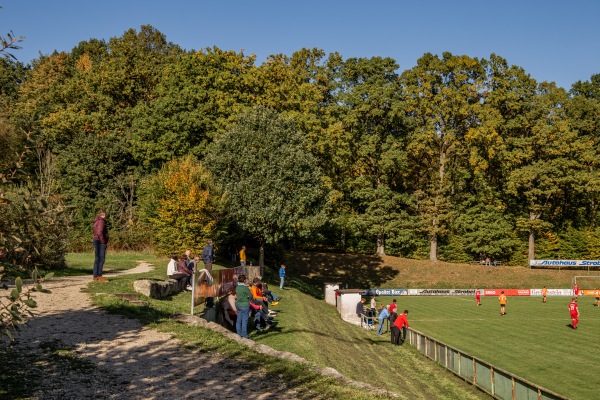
383	314
502	299
544	294
478	297
360	309
576	291
574	311
208	255
395	332
242	304
393	306
373	303
282	276
402	324
597	295
100	242
243	256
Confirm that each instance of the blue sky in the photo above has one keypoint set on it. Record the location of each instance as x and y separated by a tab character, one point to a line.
552	40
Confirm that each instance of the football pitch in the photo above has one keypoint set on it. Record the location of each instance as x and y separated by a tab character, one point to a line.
533	340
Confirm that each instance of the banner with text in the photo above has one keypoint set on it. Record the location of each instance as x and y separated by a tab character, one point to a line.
386	292
552	292
508	292
442	292
564	263
587	292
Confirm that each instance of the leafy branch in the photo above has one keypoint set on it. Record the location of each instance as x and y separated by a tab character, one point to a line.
17	305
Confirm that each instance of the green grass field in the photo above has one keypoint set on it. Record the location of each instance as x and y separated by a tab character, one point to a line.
533	340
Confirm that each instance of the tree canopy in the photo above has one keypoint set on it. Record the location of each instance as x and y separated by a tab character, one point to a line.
454	158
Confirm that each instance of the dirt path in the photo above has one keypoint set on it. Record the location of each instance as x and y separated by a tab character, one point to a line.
121	359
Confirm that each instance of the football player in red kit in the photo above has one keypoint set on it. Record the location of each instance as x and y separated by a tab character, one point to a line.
574	311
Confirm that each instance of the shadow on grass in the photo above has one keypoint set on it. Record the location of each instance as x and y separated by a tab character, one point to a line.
308	272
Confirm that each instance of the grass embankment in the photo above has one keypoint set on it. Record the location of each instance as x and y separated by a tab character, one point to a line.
368	271
311	329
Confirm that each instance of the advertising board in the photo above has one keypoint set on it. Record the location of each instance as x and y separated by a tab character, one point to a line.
508	292
564	263
552	292
386	292
442	292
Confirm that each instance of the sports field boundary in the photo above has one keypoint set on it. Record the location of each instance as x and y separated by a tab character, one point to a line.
493	380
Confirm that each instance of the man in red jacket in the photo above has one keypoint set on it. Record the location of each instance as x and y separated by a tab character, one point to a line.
100	243
402	323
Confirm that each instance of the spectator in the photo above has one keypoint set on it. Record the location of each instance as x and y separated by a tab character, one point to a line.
229	310
373	303
402	323
242	304
282	276
188	258
100	243
383	314
182	268
173	273
243	256
260	318
395	336
233	252
258	296
393	307
272	297
208	255
360	309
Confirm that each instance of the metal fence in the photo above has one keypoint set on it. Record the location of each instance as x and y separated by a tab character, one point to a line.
489	378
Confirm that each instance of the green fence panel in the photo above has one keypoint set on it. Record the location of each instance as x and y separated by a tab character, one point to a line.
466	367
440	353
483	375
453	360
523	391
430	348
502	385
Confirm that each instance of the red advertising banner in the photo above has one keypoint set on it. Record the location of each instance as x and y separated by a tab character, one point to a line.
508	292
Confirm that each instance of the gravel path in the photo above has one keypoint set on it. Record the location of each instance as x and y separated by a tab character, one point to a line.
121	359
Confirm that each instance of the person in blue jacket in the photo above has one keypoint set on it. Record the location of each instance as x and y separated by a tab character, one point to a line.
383	314
281	276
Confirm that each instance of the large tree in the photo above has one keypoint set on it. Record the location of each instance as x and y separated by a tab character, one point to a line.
370	107
442	99
273	184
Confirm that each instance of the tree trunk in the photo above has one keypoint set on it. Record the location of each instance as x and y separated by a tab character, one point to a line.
531	251
261	255
433	248
380	245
